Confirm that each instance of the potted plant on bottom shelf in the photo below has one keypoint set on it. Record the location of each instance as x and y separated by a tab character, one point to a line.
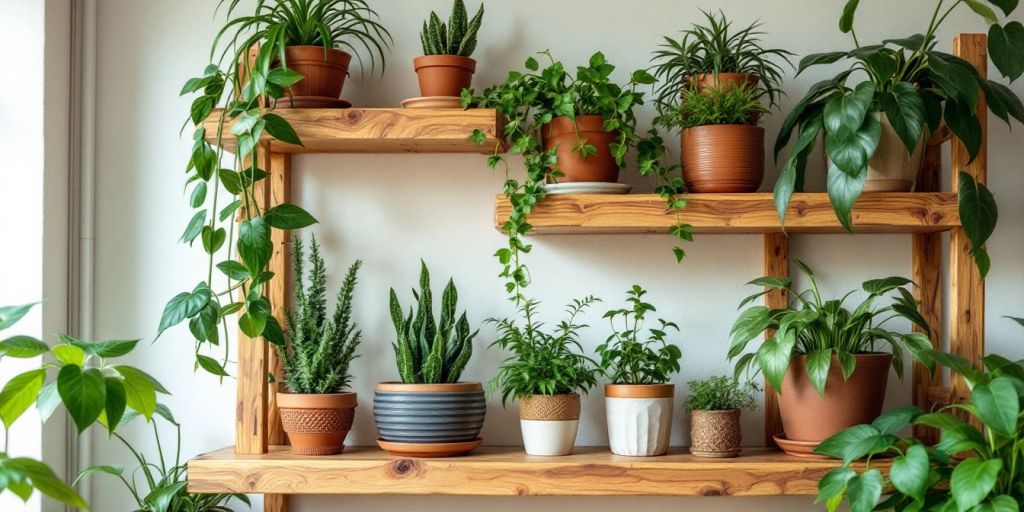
639	400
430	413
445	69
715	405
824	359
546	372
316	408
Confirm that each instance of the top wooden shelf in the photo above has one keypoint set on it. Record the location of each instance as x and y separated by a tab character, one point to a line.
379	130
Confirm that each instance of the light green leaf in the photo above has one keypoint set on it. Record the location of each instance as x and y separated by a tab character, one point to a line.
863	491
909	473
973	479
9	315
69	354
140	390
818	364
998	405
22	347
19	394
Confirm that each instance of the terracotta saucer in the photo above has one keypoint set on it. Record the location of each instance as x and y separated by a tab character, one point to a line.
804	449
429	450
312	102
433	102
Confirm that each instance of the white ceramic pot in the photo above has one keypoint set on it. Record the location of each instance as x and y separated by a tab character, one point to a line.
549	438
639	418
892	169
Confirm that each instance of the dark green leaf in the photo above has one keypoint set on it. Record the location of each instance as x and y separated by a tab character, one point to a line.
116	402
1006	48
1007	6
909	473
281	130
288	216
231	181
956	76
843	191
855	442
234	270
846	20
184	305
844	115
283	77
863	491
815	59
818	364
834	483
972	481
978	211
1003	102
198	195
83	394
210	365
851	154
195	227
998	405
896	420
904	109
965	125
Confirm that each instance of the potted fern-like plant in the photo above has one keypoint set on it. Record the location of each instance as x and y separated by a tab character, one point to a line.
430	413
316	407
445	68
715	406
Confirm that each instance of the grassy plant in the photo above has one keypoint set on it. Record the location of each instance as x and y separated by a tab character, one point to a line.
458	37
714	106
626	358
321	348
720	393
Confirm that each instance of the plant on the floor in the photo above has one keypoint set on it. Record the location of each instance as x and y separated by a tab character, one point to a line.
430	351
458	37
719	393
541	362
969	469
242	87
915	87
320	348
628	358
530	100
714	106
822	329
713	49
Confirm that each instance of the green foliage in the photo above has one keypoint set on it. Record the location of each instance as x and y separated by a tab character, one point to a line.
917	88
720	393
825	329
320	349
543	363
714	106
714	49
969	469
430	351
628	359
458	37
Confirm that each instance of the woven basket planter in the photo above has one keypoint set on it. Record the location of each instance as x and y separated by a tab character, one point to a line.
549	423
715	433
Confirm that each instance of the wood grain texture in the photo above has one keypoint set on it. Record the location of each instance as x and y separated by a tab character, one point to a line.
507	471
736	213
279	181
776	263
380	130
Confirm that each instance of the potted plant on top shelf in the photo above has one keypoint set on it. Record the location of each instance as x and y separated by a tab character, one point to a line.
715	406
722	146
430	413
445	68
546	372
875	128
316	407
824	359
639	400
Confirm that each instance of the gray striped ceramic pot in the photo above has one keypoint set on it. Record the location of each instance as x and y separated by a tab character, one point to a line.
429	414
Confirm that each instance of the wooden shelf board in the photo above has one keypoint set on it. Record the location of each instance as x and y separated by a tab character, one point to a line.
379	130
886	212
507	471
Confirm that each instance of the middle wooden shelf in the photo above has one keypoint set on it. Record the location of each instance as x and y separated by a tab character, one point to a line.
882	212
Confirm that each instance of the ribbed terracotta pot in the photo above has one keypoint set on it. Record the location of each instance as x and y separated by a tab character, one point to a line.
715	433
724	158
639	418
560	133
323	75
444	75
549	423
317	424
424	418
810	417
892	168
725	81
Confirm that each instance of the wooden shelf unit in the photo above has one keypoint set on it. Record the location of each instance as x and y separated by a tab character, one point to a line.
257	464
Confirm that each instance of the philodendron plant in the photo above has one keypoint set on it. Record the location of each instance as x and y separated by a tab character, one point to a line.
430	351
822	329
970	469
918	89
628	358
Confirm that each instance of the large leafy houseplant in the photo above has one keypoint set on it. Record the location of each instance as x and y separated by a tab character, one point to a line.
971	468
918	89
628	358
243	88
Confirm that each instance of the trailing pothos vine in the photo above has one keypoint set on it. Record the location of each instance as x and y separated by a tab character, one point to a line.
530	100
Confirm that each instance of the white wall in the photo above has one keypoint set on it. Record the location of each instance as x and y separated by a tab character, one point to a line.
391	210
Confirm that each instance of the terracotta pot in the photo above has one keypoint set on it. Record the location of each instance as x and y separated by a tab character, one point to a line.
323	75
891	168
639	418
560	133
810	417
429	419
723	158
317	424
726	81
444	75
549	423
715	433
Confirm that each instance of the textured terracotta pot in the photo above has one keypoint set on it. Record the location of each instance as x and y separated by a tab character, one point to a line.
429	419
560	133
639	418
549	423
723	158
808	416
715	433
444	75
891	168
323	75
317	424
726	81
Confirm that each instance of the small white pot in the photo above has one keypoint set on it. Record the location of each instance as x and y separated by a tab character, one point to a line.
549	438
639	418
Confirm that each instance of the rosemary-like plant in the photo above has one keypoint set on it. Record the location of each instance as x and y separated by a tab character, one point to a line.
458	37
714	106
720	393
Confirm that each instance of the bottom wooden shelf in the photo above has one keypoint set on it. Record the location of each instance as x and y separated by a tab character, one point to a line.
507	471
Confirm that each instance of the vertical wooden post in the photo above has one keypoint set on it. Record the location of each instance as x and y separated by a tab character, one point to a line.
776	263
966	288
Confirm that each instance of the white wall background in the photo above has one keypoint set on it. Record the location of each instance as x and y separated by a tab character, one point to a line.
391	210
